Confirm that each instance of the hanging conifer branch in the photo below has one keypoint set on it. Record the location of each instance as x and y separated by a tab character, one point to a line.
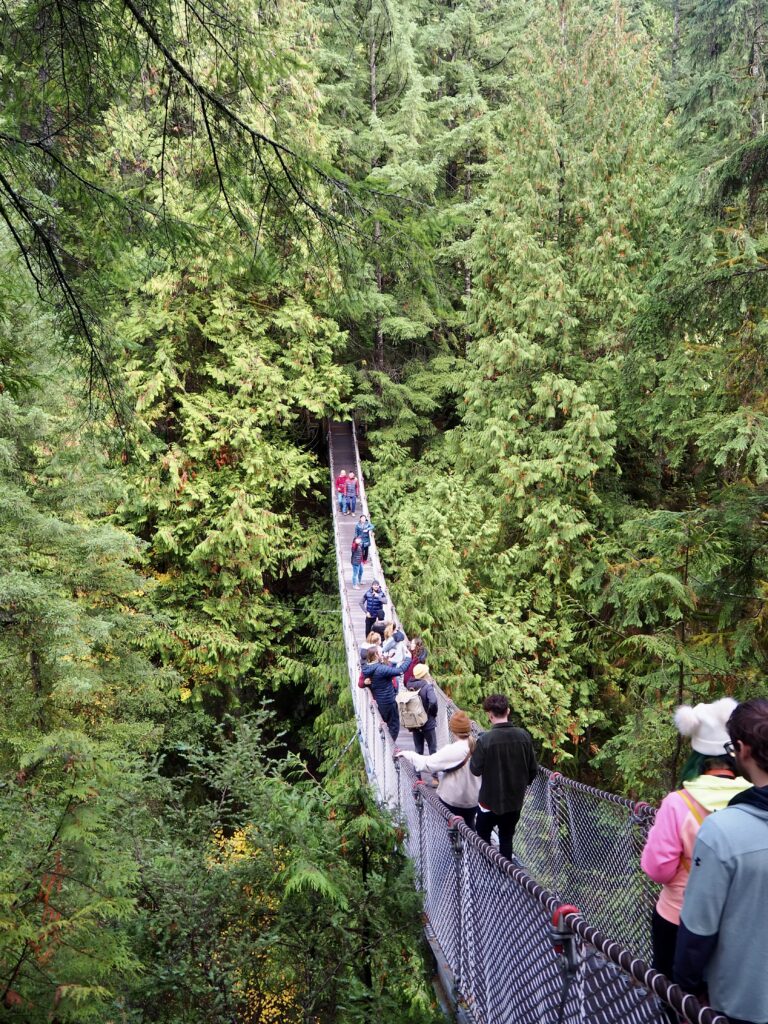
90	62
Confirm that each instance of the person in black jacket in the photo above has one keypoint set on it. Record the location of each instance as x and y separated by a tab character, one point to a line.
427	733
505	759
373	602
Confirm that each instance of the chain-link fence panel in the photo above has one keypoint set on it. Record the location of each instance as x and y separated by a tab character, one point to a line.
440	874
509	970
586	847
493	925
510	974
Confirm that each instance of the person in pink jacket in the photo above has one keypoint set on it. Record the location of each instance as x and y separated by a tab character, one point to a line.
708	782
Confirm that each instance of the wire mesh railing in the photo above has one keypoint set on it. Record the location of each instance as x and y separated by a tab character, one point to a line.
586	848
492	920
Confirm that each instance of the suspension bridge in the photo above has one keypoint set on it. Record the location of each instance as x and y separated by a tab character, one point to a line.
565	937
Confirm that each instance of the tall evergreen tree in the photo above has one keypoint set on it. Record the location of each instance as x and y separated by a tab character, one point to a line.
377	116
229	367
567	242
83	705
690	411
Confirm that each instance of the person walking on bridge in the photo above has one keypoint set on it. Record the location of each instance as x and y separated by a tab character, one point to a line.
357	562
419	654
424	685
708	782
363	529
351	494
505	759
341	489
722	944
373	640
395	646
373	602
458	787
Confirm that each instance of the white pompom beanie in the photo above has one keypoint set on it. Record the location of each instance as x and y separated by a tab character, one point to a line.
705	724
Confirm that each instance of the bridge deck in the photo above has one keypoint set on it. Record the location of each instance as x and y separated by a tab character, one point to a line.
344	456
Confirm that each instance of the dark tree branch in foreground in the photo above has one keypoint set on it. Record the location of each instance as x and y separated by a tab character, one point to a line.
73	60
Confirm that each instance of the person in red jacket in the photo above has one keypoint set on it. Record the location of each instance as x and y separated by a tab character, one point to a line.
341	489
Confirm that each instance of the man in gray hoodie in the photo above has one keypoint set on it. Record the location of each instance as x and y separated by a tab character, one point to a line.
722	945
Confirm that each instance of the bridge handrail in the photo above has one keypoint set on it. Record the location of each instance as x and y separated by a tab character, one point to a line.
600	948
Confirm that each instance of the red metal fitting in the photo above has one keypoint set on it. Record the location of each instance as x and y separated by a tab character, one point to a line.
641	811
559	929
562	911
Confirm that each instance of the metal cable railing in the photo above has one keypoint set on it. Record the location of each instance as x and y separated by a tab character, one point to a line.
491	918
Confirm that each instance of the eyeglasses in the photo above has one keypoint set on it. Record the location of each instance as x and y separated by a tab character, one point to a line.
730	748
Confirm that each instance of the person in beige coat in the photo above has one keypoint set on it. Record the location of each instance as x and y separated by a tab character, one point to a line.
458	788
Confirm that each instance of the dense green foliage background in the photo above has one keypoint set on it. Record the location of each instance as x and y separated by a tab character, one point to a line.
525	246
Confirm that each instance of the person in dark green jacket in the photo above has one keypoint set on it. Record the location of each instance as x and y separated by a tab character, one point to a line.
505	759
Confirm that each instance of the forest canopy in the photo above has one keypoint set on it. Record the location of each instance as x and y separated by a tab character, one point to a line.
524	245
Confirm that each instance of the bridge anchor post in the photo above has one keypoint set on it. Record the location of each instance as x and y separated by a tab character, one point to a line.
565	945
564	939
457	845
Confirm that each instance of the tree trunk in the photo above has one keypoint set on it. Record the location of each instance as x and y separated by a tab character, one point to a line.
680	676
378	337
563	8
467	197
675	37
367	967
36	672
757	112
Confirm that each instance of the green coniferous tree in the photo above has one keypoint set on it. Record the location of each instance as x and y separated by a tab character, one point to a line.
525	488
685	592
376	113
228	361
83	705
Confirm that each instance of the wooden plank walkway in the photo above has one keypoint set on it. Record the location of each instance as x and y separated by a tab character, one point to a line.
341	447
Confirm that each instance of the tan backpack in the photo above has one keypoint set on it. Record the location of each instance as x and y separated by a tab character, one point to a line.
410	708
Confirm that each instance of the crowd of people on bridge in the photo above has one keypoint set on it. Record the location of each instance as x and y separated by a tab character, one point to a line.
482	780
707	849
